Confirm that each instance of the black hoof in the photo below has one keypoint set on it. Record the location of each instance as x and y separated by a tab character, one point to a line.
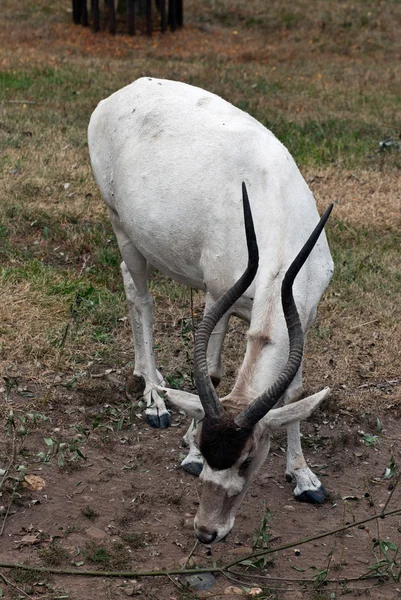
193	468
313	496
158	421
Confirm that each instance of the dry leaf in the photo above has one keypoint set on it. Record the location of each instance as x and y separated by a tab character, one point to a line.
34	482
27	540
234	591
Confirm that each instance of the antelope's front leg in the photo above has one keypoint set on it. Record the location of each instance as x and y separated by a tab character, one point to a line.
308	487
193	462
191	406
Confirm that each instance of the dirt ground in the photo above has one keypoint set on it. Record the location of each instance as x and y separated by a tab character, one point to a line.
131	503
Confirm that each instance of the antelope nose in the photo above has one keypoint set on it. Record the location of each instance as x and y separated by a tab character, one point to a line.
204	535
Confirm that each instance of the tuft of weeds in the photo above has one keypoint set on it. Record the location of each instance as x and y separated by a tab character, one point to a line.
27	578
53	556
388	563
89	513
369	439
72	529
110	557
134	540
261	539
67	453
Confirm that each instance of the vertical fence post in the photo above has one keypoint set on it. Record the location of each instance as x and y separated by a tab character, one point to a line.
131	16
84	14
76	11
95	15
180	13
149	17
172	14
112	17
163	16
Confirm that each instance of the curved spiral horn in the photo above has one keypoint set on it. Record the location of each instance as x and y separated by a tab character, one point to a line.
265	402
207	394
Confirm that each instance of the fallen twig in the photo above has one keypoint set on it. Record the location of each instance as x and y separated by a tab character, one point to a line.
312	538
184	566
223	569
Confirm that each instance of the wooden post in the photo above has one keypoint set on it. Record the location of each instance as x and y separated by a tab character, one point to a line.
163	16
149	17
172	14
131	16
84	14
112	17
76	11
180	13
95	15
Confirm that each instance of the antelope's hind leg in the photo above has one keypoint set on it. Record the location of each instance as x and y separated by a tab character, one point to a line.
308	487
140	306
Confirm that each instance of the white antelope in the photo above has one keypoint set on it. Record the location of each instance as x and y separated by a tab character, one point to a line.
169	159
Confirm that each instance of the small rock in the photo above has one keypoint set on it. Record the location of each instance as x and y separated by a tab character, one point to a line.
132	588
255	591
128	590
190	564
288	507
235	591
188	524
203	581
96	533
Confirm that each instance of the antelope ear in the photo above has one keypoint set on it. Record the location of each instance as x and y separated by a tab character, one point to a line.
189	403
290	413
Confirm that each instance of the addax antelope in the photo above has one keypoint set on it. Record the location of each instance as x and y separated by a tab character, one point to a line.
169	159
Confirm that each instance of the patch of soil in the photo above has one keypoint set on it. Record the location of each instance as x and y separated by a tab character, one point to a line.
129	506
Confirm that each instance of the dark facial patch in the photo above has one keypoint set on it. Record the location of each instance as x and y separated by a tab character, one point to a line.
222	441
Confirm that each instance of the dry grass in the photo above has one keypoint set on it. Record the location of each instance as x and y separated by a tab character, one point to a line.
366	198
326	81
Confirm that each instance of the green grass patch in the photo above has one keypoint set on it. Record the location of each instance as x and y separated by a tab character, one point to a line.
108	557
322	143
15	80
367	261
97	304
